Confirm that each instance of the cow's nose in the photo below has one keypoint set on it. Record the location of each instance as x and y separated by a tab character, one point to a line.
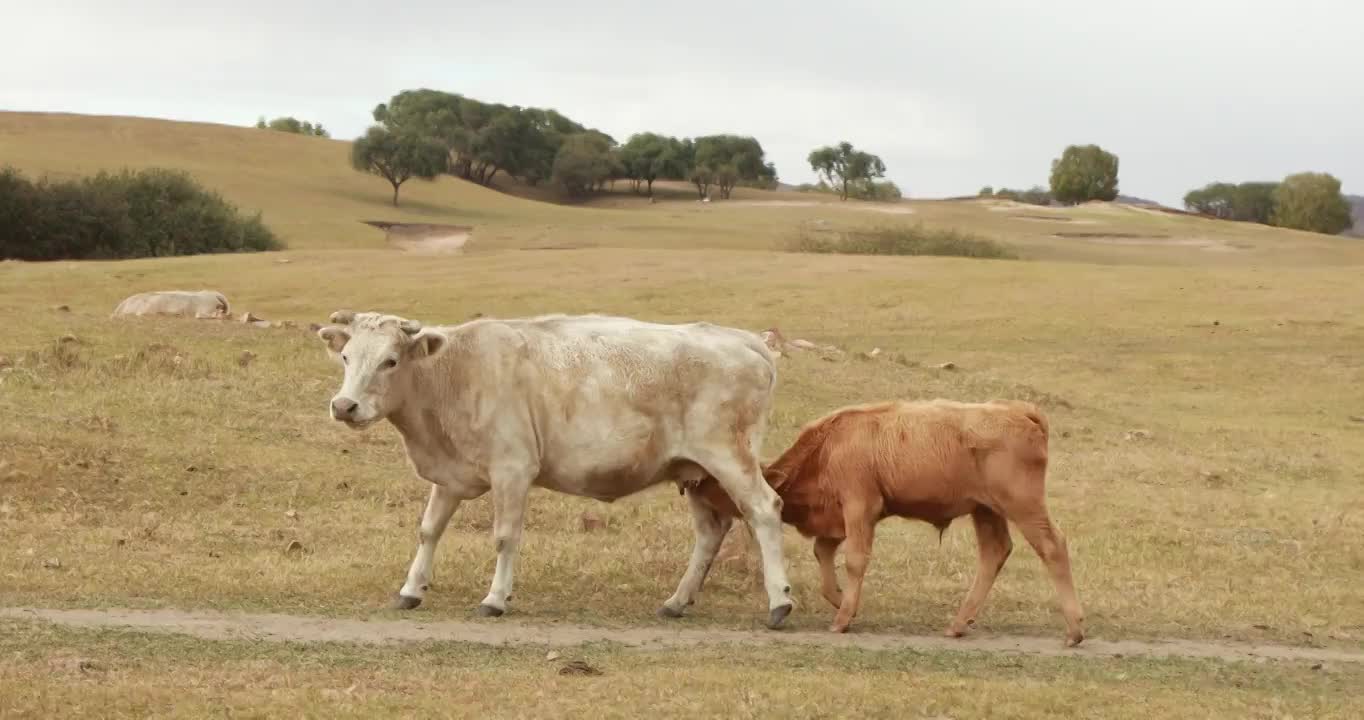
343	408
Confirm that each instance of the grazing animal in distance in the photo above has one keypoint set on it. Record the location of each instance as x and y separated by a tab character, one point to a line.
593	406
201	304
933	461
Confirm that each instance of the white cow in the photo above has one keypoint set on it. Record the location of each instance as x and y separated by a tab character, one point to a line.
594	406
202	304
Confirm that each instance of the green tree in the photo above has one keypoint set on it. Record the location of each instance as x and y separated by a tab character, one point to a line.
583	163
398	156
726	161
1084	173
293	125
481	139
843	165
1246	202
1313	202
986	191
647	157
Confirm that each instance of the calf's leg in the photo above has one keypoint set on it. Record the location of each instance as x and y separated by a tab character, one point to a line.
994	545
825	548
509	511
1050	545
710	528
860	525
739	475
440	506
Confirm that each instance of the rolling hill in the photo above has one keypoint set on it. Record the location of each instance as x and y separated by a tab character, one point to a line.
308	193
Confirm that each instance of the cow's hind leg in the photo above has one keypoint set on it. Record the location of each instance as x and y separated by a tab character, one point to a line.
825	548
1050	544
710	528
738	473
440	506
994	545
510	490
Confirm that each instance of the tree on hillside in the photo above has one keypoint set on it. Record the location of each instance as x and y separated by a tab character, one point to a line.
1246	202
583	163
843	165
1084	173
986	191
727	161
650	156
398	156
481	139
293	125
1313	202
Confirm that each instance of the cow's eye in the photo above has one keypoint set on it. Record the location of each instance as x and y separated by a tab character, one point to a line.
389	364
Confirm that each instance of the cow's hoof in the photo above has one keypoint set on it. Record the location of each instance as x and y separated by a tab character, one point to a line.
489	611
1074	639
838	628
404	602
668	611
778	616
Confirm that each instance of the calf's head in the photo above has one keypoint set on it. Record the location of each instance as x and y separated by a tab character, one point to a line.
378	354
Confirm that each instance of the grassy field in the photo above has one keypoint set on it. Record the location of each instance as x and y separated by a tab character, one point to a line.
45	672
1206	467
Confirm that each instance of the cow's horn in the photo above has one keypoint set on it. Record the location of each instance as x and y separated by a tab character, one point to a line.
342	317
411	327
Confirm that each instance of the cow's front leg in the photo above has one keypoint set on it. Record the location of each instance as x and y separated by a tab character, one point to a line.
439	508
710	528
510	489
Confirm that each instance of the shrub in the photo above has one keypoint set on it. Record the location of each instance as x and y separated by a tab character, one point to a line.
901	240
148	213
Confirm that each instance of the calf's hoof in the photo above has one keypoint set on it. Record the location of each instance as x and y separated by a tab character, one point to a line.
668	611
488	611
1074	638
404	602
777	616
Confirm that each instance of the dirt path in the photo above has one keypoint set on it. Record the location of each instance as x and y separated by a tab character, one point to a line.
290	628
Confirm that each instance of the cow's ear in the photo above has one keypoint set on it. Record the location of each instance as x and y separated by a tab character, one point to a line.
427	344
334	336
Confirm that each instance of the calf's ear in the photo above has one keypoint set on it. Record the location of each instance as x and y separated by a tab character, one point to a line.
426	344
334	336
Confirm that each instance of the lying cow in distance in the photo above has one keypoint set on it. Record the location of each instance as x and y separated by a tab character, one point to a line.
202	304
932	461
593	406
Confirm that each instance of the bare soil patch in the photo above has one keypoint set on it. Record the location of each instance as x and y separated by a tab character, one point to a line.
211	625
425	238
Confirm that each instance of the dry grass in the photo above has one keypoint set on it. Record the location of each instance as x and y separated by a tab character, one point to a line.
48	672
162	481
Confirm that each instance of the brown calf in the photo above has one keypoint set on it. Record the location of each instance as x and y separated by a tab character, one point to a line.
932	461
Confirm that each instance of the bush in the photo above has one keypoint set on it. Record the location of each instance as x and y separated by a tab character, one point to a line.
1036	195
148	213
902	240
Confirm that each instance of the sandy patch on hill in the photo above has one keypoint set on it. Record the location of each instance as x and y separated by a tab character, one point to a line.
425	238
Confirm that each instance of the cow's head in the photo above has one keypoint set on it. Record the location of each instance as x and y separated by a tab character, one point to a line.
378	353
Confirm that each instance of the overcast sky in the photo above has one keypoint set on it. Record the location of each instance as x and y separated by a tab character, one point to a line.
953	94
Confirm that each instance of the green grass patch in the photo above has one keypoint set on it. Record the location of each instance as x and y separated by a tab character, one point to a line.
901	240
